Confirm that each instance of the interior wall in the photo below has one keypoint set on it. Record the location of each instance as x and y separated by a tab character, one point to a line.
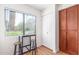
49	28
63	6
57	27
6	42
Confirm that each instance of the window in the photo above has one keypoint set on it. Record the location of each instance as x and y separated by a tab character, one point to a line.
29	24
17	23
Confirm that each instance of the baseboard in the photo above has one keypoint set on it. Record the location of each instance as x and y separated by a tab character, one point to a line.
47	48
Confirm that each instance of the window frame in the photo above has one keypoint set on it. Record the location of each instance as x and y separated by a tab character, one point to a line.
24	13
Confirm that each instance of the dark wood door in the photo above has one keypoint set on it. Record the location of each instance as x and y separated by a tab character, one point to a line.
78	43
72	30
62	27
62	18
62	40
78	27
72	42
69	30
72	18
78	16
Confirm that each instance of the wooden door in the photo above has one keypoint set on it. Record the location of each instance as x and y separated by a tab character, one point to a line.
72	30
72	42
72	18
62	40
78	27
62	19
62	30
78	43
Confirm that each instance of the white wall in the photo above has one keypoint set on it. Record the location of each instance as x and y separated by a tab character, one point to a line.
49	28
63	6
6	43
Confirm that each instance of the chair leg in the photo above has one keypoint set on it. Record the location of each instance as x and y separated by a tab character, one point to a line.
15	50
36	51
35	46
32	48
20	49
30	42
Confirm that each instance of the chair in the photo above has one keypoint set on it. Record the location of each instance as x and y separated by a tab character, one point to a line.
16	44
32	43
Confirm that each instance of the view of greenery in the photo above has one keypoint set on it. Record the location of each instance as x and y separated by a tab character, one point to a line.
14	23
14	33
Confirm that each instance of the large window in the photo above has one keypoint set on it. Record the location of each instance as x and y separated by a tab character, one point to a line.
17	23
29	24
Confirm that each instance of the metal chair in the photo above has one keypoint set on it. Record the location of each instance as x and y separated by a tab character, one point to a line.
20	48
32	46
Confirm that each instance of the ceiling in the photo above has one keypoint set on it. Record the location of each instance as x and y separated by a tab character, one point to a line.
39	6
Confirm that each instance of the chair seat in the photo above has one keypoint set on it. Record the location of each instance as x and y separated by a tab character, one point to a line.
17	43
